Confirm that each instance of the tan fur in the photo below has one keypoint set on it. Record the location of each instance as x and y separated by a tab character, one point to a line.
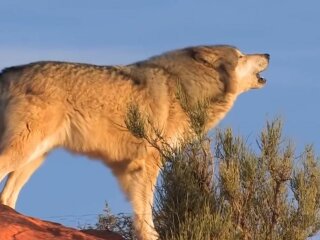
82	108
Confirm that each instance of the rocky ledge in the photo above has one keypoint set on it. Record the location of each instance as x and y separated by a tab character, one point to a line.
15	226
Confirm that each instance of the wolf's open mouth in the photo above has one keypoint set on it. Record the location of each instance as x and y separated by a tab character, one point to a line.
261	80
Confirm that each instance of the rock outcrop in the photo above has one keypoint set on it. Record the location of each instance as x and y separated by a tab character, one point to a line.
15	226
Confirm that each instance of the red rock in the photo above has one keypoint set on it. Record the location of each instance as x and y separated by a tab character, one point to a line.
15	226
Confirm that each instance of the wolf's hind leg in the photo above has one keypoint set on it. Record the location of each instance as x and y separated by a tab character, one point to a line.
16	180
20	156
31	129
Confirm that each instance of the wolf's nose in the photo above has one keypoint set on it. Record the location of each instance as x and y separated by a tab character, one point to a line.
267	55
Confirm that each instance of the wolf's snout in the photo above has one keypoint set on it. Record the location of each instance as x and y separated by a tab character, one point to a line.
267	56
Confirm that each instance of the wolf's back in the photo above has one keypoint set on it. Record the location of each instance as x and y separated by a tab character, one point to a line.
8	76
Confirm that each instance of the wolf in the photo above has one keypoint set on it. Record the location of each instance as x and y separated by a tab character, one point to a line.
82	108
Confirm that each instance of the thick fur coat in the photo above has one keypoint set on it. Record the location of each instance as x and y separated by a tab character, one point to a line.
82	108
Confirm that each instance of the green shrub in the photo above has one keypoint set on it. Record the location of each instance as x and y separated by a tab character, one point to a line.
235	193
241	193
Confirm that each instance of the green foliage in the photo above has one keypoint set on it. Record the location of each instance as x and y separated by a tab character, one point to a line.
247	195
196	112
135	122
120	223
179	196
239	193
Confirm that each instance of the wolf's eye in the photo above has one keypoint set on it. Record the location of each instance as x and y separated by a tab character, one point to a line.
240	56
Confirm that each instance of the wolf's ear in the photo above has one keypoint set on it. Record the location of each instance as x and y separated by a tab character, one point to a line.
204	56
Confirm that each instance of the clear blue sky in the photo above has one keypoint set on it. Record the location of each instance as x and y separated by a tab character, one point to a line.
120	32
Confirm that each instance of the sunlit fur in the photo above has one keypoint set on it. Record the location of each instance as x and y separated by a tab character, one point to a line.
82	108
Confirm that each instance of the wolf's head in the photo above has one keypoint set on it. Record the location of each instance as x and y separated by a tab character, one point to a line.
212	71
240	72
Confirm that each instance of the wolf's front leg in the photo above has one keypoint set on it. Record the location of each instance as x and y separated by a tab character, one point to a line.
138	180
